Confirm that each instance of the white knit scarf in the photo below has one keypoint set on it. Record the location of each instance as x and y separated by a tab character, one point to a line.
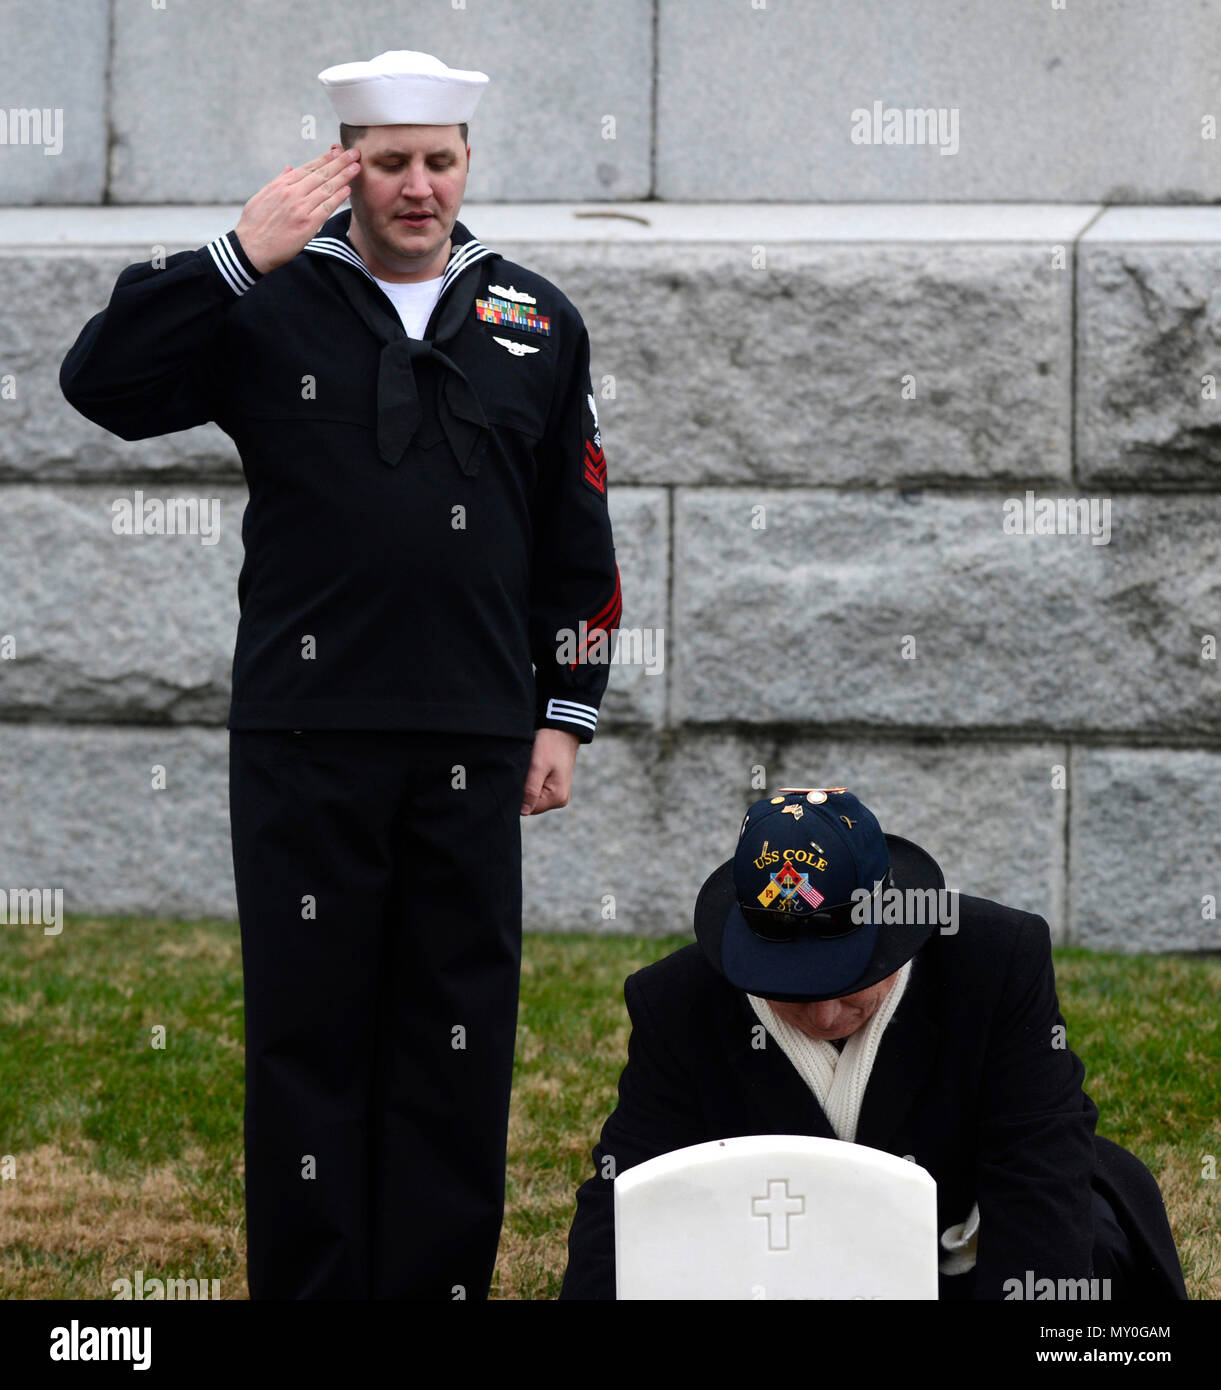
838	1079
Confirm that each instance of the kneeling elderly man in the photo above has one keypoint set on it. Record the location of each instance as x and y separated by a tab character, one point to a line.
933	1036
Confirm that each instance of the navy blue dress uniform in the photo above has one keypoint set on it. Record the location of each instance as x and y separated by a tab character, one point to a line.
971	1079
427	523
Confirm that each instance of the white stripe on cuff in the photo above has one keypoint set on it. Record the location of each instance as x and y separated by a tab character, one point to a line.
572	713
236	276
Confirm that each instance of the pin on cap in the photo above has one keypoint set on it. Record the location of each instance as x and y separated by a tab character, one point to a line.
402	87
814	795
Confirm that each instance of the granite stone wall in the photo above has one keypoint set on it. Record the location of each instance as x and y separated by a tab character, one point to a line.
838	383
201	101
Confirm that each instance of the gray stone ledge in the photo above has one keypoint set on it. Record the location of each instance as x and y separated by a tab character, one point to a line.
722	371
959	298
1155	225
192	225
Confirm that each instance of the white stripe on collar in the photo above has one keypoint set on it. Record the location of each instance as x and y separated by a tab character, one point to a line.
461	258
337	247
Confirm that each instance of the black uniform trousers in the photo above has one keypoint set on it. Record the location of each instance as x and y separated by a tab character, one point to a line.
378	884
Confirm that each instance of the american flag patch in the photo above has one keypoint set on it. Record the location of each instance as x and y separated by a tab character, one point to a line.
793	882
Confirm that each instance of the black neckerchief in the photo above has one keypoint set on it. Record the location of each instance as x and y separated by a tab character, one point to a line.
399	411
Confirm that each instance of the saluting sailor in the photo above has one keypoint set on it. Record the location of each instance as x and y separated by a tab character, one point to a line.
427	522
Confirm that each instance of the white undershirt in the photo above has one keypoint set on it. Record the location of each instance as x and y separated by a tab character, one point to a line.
415	302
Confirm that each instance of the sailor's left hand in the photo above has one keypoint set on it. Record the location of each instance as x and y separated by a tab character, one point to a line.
549	780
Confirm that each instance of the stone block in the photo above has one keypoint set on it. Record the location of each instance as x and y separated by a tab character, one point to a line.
119	628
52	294
828	364
650	818
916	611
757	102
1145	864
636	690
53	125
1148	334
210	102
81	815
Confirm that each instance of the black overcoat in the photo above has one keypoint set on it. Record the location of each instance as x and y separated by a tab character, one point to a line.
974	1079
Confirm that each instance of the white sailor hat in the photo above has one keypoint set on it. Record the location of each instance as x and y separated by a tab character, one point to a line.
402	88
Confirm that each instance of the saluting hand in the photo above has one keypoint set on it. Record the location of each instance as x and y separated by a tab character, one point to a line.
277	222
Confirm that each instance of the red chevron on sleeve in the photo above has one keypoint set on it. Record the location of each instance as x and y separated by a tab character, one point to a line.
599	627
595	467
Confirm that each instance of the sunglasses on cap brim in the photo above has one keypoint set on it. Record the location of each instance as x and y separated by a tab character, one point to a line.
824	924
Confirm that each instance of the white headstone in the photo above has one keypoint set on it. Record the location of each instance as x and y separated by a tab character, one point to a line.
776	1216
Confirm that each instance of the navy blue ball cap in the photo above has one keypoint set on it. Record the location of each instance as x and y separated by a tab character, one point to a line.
782	918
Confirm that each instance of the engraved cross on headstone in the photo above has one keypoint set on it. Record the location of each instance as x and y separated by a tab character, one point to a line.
777	1207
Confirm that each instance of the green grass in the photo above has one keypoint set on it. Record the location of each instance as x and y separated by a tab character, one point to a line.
129	1157
1146	1028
